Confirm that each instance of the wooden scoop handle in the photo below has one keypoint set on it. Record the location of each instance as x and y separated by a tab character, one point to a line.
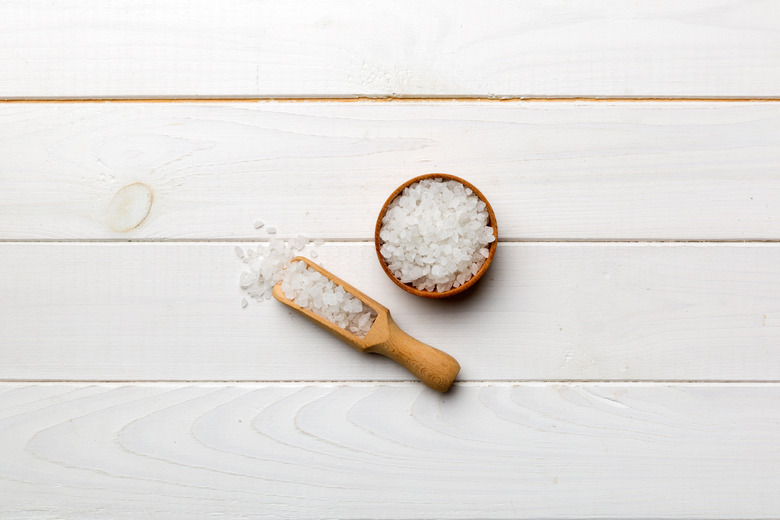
433	367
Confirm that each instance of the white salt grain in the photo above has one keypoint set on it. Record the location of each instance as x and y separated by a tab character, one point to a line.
244	303
300	242
313	253
239	253
435	235
270	230
259	224
315	292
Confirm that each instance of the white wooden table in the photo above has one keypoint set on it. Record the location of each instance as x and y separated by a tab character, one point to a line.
621	359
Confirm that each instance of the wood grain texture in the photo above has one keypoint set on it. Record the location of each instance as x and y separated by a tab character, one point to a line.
78	48
543	311
550	170
544	451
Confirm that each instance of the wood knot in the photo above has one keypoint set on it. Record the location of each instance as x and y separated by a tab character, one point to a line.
130	207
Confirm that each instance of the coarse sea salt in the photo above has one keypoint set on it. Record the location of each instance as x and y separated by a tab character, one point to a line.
271	263
435	235
264	267
300	242
317	293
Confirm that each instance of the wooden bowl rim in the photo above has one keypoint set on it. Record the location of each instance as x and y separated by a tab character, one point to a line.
491	249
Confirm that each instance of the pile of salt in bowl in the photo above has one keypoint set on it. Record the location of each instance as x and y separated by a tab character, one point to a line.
435	235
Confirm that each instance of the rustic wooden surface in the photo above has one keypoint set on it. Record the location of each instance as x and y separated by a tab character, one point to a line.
350	450
621	357
545	311
552	171
304	48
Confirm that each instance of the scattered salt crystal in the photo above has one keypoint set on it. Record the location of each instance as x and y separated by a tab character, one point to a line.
270	230
246	279
318	242
313	253
239	253
300	242
259	224
435	234
315	292
244	303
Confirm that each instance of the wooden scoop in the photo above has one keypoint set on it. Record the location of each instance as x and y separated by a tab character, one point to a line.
431	366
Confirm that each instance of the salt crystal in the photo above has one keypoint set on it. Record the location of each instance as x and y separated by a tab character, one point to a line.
259	224
300	242
244	303
270	230
247	279
239	252
313	253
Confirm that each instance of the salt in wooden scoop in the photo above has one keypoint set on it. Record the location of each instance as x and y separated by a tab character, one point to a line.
431	366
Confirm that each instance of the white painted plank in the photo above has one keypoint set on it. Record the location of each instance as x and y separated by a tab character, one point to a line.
308	48
541	451
546	311
551	170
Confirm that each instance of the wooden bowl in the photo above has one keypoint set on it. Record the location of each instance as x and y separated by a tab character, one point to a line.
471	281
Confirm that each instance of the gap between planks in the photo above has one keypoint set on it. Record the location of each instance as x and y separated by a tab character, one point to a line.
394	99
397	382
529	241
